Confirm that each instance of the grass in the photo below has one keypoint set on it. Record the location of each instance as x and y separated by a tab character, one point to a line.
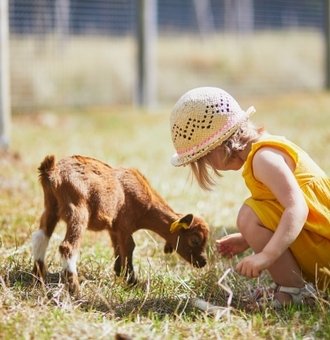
93	69
160	306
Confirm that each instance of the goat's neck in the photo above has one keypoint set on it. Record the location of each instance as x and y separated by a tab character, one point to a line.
159	220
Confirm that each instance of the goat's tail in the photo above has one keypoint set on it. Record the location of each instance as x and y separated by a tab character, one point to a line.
46	167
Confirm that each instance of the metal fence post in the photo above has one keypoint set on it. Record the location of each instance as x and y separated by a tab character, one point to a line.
146	39
4	76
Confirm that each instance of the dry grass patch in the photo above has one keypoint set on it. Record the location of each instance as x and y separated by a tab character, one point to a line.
160	306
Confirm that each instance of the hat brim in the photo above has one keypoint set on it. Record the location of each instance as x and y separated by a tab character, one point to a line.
178	160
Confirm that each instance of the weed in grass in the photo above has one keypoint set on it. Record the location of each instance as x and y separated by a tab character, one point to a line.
160	305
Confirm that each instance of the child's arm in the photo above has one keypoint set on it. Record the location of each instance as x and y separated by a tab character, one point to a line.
274	168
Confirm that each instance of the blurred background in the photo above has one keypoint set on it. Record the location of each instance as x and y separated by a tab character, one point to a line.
77	53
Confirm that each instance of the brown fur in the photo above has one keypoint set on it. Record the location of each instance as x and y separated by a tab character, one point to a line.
89	194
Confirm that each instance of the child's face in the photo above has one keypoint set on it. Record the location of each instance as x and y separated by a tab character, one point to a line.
216	159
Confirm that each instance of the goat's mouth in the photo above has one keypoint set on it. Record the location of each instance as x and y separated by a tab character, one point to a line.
199	263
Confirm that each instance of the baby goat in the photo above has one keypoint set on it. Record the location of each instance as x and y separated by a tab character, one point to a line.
89	194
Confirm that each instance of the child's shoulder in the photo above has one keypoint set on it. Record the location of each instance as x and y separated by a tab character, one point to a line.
277	144
273	141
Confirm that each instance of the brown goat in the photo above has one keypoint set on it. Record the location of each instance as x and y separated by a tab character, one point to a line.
89	194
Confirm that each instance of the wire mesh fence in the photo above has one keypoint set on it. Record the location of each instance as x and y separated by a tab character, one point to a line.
84	52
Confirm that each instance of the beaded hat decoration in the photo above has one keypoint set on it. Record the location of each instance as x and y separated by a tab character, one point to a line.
201	120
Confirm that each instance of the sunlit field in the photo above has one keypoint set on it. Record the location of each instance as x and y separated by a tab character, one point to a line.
80	70
160	305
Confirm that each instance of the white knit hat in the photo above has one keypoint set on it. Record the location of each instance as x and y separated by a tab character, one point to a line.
201	120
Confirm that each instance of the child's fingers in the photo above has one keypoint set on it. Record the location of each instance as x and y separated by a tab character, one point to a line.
224	250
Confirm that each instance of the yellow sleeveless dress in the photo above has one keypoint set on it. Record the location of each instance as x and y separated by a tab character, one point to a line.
312	247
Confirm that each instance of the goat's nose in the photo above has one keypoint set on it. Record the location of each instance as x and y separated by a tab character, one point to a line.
200	263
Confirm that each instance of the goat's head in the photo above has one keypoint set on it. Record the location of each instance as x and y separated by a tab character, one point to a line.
192	235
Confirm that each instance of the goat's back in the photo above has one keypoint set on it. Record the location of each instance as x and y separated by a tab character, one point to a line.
107	191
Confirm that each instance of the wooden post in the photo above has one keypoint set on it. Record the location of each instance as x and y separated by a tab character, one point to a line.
204	17
146	40
4	76
239	16
327	42
62	20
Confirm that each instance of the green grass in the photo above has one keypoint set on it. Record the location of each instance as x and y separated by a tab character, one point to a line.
102	69
160	306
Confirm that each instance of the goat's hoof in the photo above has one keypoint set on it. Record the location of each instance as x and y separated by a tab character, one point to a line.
120	336
132	280
127	277
72	282
39	272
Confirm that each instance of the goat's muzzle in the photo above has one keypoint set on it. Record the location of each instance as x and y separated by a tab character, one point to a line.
200	263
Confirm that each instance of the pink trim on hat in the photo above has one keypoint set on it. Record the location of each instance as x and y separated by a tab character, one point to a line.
206	141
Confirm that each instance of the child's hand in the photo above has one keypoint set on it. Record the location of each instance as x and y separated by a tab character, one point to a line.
231	245
252	266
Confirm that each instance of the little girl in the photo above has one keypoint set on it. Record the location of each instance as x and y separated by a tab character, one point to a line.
286	221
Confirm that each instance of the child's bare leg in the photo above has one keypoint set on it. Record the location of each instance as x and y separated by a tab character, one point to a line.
285	271
232	245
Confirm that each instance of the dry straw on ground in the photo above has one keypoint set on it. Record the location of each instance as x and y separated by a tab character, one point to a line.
161	306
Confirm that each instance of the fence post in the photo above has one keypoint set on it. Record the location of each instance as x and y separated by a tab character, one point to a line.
327	42
62	21
4	76
146	40
204	18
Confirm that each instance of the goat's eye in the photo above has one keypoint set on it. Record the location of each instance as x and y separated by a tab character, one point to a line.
194	241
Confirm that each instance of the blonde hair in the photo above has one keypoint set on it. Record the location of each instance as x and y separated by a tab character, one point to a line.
235	143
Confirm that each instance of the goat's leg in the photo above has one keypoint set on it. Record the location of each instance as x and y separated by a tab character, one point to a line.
40	239
69	247
124	246
118	260
127	246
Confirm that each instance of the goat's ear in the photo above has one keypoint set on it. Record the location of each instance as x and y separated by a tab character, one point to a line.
184	222
168	248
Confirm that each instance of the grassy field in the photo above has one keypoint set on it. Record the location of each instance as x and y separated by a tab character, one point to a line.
92	69
160	306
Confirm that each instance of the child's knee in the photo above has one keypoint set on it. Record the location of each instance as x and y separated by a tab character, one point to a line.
246	217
